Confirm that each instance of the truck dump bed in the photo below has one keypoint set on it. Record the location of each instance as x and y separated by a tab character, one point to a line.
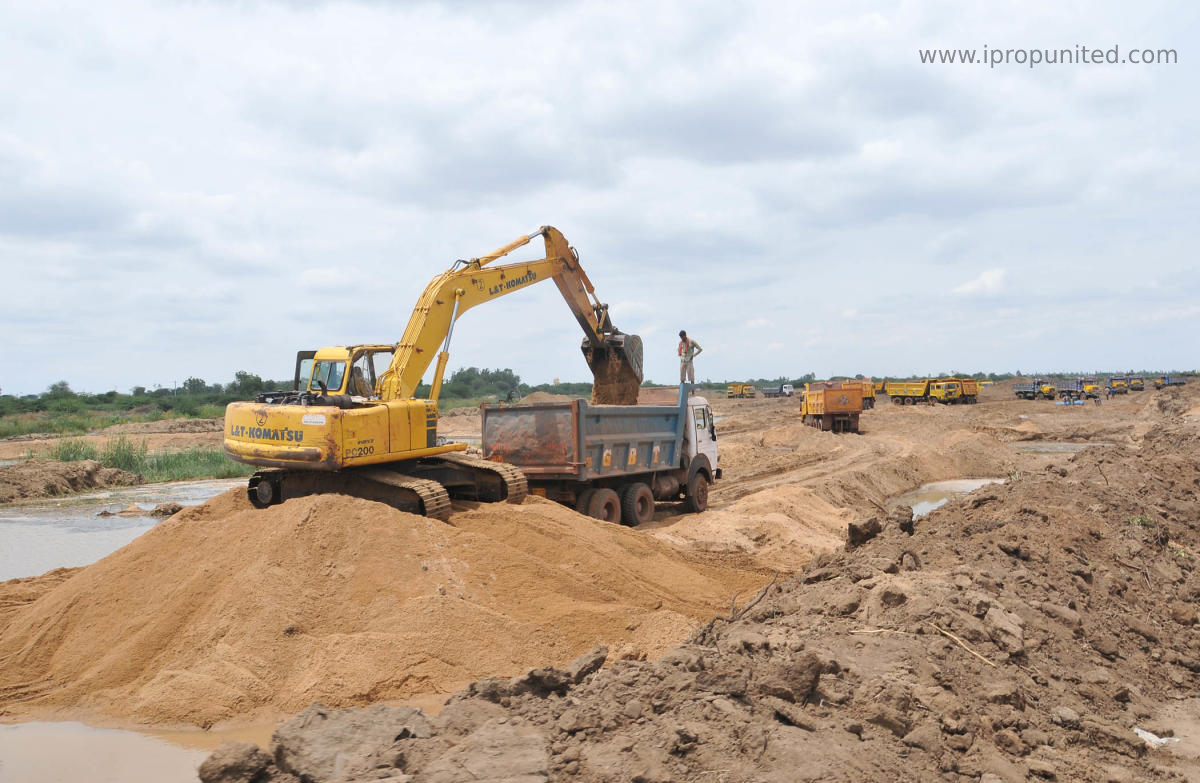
581	441
820	399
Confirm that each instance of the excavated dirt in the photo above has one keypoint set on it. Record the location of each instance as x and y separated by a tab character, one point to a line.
1020	633
1066	591
44	478
226	612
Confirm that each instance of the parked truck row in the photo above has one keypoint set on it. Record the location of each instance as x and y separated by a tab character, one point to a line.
947	391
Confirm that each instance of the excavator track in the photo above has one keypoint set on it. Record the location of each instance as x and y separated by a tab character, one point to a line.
406	493
516	486
435	501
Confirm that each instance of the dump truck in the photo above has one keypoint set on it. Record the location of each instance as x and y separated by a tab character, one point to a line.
782	390
829	406
928	390
866	385
1039	389
1168	380
1118	384
611	462
740	390
968	390
1090	385
352	425
1137	383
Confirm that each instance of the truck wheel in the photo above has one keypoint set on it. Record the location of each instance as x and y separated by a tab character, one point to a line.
583	499
697	494
637	505
604	505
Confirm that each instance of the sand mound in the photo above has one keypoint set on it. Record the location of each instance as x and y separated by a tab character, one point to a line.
222	611
166	425
545	397
45	478
1022	633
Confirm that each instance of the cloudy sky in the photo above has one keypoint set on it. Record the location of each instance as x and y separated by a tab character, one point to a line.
196	188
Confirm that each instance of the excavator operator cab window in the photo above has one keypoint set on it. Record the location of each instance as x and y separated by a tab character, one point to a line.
330	373
362	376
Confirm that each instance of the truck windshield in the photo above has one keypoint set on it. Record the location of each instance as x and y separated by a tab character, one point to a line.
331	373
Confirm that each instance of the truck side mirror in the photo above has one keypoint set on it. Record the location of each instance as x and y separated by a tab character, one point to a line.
712	430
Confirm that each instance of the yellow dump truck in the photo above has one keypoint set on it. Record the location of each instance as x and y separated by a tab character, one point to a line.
866	386
1137	383
1118	384
968	390
830	406
1039	389
740	390
928	390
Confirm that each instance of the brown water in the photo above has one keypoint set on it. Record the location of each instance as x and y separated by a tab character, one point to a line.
73	752
927	497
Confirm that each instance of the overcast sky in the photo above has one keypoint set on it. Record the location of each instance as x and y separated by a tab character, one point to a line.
192	188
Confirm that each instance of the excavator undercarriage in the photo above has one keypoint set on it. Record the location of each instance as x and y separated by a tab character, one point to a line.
424	486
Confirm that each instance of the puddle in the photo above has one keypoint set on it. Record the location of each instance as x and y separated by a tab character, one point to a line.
73	751
1056	447
66	532
927	497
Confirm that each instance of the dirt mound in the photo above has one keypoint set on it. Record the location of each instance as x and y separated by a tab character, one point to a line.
223	611
1021	633
45	478
165	426
545	397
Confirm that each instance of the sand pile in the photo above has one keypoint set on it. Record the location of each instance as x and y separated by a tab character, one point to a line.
1021	633
545	397
45	478
223	611
166	425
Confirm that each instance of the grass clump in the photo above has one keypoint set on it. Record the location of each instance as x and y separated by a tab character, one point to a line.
124	454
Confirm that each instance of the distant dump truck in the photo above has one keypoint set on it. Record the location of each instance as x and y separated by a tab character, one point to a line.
740	390
968	390
867	386
1137	383
611	462
1039	389
1168	380
1090	385
783	390
928	390
830	406
1118	384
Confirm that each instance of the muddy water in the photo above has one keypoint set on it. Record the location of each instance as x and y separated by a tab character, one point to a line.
75	752
37	537
927	497
1056	447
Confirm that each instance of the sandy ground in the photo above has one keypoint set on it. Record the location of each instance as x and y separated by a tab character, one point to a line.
224	614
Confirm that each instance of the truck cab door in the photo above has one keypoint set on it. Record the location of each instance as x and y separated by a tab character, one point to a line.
704	433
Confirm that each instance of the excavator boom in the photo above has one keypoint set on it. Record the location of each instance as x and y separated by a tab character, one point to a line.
614	358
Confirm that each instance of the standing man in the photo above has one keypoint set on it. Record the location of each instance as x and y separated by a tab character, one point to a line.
688	349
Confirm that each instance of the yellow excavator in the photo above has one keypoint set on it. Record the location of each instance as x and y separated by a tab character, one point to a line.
351	424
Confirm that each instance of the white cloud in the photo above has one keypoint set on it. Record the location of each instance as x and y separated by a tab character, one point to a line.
716	165
990	281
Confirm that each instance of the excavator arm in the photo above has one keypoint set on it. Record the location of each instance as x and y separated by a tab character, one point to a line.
615	358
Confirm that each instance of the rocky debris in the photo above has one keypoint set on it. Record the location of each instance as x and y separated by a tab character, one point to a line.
161	511
1024	640
43	478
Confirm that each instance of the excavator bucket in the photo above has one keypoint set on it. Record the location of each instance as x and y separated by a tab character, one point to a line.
616	369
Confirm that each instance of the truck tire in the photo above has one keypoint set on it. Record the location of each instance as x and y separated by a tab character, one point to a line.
583	499
697	494
605	505
637	504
